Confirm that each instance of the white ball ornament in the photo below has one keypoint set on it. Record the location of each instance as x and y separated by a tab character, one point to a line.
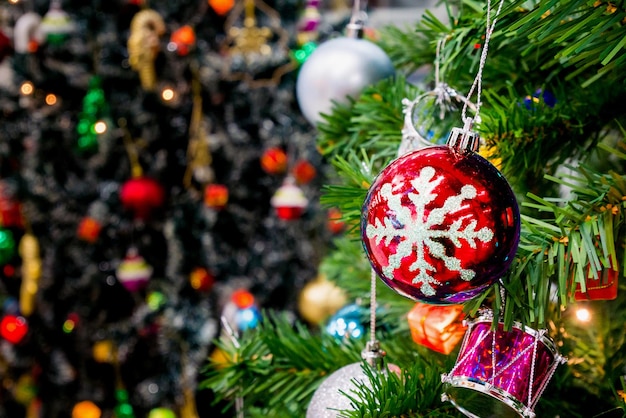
338	69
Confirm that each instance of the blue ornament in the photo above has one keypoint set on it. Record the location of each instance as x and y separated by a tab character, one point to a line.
547	96
347	322
247	318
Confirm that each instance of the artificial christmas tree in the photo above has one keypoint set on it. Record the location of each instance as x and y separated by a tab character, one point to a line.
131	149
551	122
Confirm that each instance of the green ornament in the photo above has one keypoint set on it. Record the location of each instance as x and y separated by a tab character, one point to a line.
123	409
7	246
302	54
161	413
155	300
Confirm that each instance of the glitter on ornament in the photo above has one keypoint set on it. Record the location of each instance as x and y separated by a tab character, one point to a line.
440	226
13	328
338	69
133	272
289	201
330	397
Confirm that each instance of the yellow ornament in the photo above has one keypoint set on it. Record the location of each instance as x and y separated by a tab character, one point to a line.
31	273
143	45
320	299
103	351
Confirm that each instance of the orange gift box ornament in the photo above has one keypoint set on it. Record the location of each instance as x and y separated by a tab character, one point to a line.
438	327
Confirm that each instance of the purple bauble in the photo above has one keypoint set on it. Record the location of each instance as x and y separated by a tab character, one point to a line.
440	226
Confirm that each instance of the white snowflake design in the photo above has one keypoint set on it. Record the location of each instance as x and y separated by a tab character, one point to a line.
417	233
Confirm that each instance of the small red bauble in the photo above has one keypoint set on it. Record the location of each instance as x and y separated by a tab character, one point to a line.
335	224
303	172
183	39
289	201
89	229
142	195
242	298
201	279
13	328
440	225
10	208
274	161
216	196
221	7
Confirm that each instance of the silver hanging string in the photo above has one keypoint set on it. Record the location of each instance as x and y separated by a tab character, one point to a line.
354	29
477	84
233	337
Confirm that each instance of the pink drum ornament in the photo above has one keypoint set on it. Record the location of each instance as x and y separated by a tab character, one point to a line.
500	373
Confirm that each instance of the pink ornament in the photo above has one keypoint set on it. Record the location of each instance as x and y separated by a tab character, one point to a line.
501	373
142	195
133	272
440	225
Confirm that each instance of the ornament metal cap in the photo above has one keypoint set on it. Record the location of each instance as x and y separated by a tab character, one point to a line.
355	28
463	140
373	355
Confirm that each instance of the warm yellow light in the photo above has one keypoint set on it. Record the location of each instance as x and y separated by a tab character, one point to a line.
100	127
51	99
168	94
583	314
14	1
27	88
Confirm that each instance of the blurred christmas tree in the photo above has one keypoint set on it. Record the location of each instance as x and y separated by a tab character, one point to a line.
551	119
143	147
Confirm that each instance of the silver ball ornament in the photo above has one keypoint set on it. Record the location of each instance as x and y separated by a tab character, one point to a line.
338	69
329	399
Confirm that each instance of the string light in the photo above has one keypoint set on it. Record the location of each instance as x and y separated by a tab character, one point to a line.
27	88
51	99
583	314
100	127
168	94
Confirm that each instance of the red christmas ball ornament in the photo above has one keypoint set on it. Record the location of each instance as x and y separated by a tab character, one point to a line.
13	328
335	224
201	279
221	7
142	195
289	201
183	40
10	208
274	161
242	298
216	196
441	224
303	172
89	229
